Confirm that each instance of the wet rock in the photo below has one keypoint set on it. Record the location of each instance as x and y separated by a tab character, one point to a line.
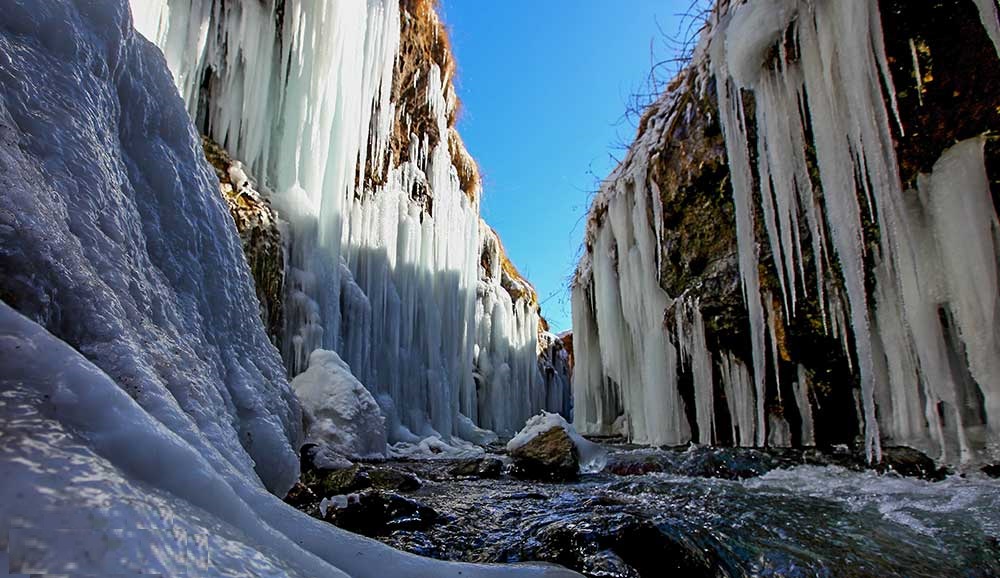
606	564
729	464
617	545
335	483
322	458
837	456
910	463
634	466
393	479
550	455
992	470
479	468
527	496
300	496
373	513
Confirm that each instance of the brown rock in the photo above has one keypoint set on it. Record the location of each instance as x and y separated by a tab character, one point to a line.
550	455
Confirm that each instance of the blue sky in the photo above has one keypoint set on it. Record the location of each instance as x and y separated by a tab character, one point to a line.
544	85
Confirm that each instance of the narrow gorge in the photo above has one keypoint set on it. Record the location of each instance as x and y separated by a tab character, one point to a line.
261	315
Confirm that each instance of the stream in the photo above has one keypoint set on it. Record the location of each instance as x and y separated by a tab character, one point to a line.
694	512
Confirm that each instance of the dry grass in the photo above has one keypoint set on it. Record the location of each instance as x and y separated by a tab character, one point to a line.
424	43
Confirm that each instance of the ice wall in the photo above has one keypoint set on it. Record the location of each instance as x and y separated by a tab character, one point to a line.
383	241
145	418
813	170
519	370
834	89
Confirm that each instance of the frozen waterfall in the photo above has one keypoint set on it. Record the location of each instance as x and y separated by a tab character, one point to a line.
384	271
145	418
812	164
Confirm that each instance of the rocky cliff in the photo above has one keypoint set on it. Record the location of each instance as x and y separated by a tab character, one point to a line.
769	265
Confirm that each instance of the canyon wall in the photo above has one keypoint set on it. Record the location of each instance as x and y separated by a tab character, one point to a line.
800	247
345	114
146	421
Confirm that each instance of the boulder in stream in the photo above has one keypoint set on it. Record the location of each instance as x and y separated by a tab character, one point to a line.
548	448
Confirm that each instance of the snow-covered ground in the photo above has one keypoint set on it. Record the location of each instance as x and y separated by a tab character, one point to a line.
145	420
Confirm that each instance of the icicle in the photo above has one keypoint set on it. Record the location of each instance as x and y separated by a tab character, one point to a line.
991	20
737	148
737	384
917	74
772	328
802	388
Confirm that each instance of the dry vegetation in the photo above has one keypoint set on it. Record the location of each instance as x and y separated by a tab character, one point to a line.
424	43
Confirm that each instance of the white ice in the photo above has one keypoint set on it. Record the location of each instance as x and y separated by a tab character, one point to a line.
146	418
339	413
394	288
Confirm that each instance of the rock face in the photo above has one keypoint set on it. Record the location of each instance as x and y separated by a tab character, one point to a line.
549	455
679	354
373	513
258	226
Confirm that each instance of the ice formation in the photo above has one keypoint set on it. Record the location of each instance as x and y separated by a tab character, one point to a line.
145	418
384	271
592	456
519	370
990	16
922	340
339	413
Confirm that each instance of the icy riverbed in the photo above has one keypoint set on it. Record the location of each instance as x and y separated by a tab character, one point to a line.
713	512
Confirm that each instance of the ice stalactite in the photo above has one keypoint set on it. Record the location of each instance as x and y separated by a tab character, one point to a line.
554	365
631	313
833	88
835	85
803	387
937	311
696	358
383	241
808	113
520	370
990	16
738	386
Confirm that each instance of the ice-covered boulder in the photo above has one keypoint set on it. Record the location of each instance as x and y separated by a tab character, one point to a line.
339	412
549	447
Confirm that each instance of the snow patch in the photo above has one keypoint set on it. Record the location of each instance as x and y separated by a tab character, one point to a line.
339	412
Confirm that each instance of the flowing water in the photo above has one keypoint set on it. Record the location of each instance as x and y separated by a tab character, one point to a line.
707	512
